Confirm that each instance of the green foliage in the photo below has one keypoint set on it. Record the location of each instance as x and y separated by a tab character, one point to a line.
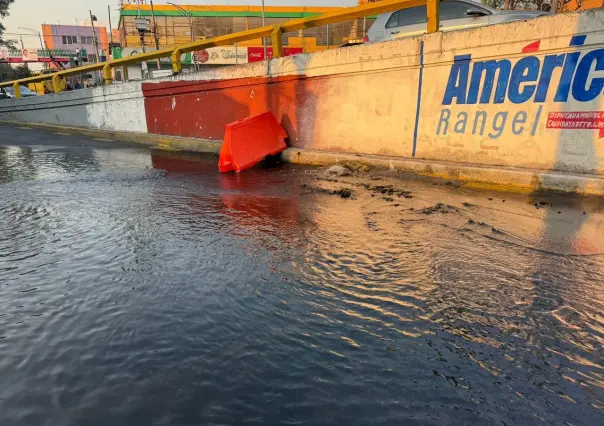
8	73
4	4
517	4
495	4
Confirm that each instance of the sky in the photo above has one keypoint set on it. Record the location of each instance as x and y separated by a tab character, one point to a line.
33	13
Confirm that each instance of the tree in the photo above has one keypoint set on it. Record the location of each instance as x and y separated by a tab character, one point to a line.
4	4
517	4
8	73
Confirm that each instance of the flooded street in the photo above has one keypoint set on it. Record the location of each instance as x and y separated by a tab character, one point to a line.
145	288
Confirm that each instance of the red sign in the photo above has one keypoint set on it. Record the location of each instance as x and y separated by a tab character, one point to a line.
203	56
256	54
577	120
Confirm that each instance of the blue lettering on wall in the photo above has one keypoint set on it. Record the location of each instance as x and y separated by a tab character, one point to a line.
493	125
580	91
526	70
489	69
567	77
550	63
458	80
472	82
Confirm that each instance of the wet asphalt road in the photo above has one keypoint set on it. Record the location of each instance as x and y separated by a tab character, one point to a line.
144	288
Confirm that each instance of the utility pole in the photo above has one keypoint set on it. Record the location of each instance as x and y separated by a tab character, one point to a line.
22	49
96	44
554	8
263	39
155	36
142	25
110	30
42	47
39	34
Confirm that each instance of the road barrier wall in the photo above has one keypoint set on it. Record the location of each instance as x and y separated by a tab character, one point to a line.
523	94
118	107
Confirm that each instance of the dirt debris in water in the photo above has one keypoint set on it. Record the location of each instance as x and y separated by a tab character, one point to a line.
345	169
337	170
342	192
416	198
439	208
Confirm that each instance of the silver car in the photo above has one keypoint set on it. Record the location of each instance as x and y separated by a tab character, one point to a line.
454	15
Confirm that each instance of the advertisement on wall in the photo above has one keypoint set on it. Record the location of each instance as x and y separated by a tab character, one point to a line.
133	51
506	104
256	54
35	55
29	55
223	55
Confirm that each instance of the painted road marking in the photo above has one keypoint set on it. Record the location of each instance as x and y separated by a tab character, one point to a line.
25	128
102	139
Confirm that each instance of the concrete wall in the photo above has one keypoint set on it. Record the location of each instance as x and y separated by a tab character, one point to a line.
116	107
523	94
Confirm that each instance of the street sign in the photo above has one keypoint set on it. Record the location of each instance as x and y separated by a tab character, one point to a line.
141	24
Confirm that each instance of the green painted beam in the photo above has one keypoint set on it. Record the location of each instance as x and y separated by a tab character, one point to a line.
229	14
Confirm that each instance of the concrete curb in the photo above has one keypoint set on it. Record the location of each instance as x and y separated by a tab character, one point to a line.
491	177
169	143
488	177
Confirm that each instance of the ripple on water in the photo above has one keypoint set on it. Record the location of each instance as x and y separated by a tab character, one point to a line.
134	296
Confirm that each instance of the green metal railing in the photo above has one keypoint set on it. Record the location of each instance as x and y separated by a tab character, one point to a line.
272	31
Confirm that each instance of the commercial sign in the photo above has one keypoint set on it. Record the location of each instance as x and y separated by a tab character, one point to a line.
29	55
124	52
37	55
224	55
256	54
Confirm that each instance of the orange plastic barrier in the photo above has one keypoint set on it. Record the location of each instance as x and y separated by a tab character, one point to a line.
249	141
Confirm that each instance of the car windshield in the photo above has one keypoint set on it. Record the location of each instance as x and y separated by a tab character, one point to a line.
24	91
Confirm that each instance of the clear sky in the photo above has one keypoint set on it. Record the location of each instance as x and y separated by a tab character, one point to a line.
33	13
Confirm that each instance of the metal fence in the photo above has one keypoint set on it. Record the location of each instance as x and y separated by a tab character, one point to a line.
577	5
275	32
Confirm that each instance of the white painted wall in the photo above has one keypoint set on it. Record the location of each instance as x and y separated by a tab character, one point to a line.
117	107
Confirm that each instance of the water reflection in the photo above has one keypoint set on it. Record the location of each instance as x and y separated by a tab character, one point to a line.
146	288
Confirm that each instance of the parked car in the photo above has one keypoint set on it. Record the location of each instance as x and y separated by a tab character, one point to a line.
454	15
9	92
25	92
4	94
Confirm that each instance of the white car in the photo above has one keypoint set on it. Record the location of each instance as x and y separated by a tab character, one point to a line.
454	15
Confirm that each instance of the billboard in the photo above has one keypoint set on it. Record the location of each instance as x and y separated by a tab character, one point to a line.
223	55
124	52
256	54
37	55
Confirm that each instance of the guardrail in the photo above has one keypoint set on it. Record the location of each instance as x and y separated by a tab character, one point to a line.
272	31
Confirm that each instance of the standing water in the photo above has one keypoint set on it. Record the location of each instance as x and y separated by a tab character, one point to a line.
141	288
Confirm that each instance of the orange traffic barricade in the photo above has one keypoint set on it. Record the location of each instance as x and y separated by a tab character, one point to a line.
249	141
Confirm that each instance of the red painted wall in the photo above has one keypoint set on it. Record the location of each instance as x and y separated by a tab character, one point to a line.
202	109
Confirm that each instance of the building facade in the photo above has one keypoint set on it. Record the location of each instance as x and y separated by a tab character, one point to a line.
72	37
177	25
